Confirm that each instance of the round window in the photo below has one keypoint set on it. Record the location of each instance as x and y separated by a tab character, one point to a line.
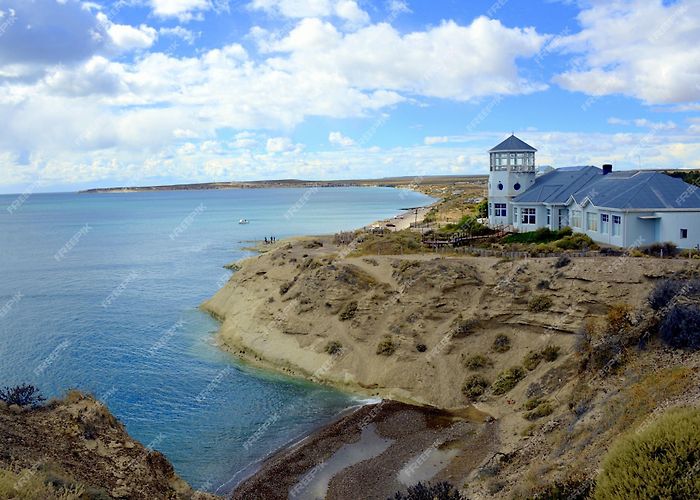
500	186
517	186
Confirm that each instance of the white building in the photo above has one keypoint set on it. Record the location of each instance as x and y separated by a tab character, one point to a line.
625	209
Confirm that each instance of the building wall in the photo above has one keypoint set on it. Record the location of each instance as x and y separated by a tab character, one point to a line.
670	226
508	180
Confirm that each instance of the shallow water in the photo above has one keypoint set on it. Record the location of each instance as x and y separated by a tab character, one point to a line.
314	484
100	292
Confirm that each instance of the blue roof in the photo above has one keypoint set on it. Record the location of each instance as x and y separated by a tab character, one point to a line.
558	185
639	190
513	144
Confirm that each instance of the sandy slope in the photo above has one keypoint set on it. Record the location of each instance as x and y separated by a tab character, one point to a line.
413	300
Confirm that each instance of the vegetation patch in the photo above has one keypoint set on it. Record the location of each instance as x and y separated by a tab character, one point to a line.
680	328
539	303
389	243
464	328
538	409
573	488
22	395
348	311
542	235
661	461
477	362
474	387
387	347
421	347
501	343
508	379
334	347
428	491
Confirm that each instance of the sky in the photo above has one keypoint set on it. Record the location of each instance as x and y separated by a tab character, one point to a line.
140	92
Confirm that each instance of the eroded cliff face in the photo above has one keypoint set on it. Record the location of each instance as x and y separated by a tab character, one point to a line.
402	327
76	445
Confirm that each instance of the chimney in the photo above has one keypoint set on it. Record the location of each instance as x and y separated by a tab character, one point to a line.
607	168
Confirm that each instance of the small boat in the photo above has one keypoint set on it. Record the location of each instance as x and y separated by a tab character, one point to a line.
244	221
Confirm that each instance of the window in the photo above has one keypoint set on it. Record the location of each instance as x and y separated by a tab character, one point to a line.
576	218
501	210
684	234
592	222
490	209
517	186
617	222
604	223
549	216
515	215
529	216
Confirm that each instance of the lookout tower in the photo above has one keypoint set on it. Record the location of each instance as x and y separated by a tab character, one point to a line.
512	172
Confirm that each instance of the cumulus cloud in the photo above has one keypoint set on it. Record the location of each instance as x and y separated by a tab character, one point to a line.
280	145
338	139
125	37
641	48
187	10
347	10
447	61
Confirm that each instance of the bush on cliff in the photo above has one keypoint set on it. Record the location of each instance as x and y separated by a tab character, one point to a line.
387	347
661	461
539	303
474	386
438	491
508	379
680	328
22	395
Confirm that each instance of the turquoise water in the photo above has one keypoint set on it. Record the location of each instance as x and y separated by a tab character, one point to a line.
100	292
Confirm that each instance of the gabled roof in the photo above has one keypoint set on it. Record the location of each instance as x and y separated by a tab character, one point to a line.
558	185
513	144
639	190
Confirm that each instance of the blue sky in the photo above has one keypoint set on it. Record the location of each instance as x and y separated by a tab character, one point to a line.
135	92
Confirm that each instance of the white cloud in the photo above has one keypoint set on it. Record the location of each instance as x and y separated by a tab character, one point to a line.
179	32
184	10
447	61
643	123
642	48
279	145
431	140
126	37
338	139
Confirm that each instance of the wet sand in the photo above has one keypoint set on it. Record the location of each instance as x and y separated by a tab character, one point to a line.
374	452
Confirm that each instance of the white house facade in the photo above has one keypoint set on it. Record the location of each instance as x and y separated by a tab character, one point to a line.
624	209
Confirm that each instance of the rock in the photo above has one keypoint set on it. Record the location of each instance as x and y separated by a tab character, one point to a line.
16	409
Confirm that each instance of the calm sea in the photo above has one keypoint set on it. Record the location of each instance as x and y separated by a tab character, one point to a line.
100	292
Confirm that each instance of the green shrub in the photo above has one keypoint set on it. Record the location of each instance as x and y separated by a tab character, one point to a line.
539	303
532	360
334	347
573	488
464	328
348	311
576	241
477	362
661	461
507	380
501	343
666	249
666	291
550	353
680	328
474	386
543	409
387	347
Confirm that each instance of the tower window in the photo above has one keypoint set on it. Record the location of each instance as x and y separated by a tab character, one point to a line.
500	186
501	210
517	186
684	234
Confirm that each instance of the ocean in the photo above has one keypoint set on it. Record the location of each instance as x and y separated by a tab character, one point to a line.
100	292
